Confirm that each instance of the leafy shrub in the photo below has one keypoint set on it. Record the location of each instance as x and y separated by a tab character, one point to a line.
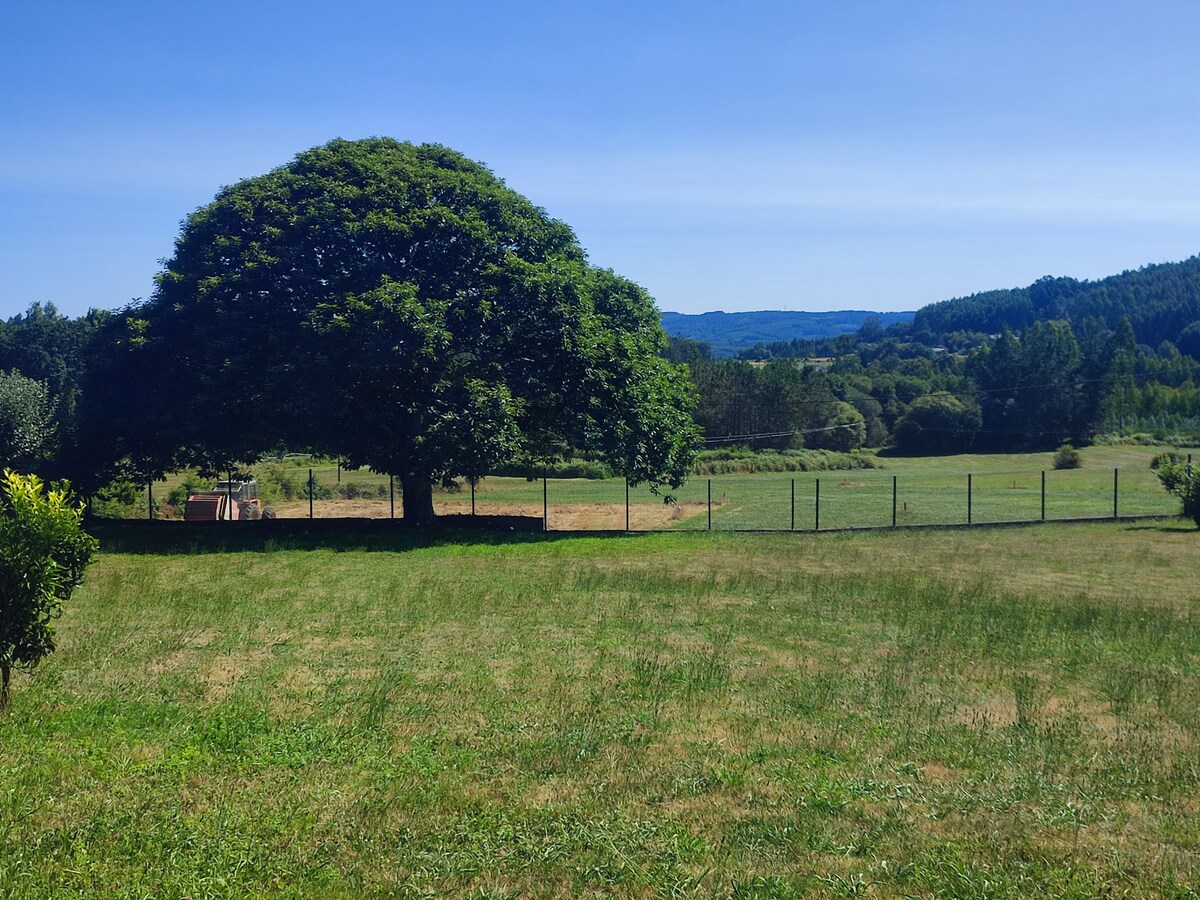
1167	456
191	484
121	499
739	459
556	468
352	490
1160	437
1182	480
1067	457
43	552
278	482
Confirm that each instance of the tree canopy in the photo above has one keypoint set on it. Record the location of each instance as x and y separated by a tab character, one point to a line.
26	421
397	305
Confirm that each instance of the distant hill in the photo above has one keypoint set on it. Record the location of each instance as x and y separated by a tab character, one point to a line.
730	332
1160	300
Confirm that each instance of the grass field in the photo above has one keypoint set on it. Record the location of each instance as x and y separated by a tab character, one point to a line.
929	490
991	713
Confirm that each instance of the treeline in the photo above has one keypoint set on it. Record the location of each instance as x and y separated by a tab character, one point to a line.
1019	390
1161	302
44	358
1062	359
1024	386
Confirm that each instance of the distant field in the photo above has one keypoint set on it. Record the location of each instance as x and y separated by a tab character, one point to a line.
929	490
993	713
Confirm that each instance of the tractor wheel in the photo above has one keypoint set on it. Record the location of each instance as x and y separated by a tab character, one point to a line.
268	513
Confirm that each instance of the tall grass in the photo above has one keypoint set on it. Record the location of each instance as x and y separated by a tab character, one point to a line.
970	714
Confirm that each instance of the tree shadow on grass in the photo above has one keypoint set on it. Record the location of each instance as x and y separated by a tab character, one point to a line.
170	538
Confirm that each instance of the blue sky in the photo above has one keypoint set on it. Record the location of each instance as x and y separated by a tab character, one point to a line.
877	155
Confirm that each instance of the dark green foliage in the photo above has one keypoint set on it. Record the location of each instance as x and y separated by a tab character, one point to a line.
352	490
43	552
554	468
26	422
776	406
1188	341
192	483
1160	301
938	423
398	306
686	350
1183	480
52	348
1067	457
843	431
1030	387
743	460
120	499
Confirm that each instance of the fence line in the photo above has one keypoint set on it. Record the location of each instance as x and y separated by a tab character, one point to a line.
804	502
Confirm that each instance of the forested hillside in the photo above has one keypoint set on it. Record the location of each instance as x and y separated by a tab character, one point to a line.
1160	301
1059	360
727	333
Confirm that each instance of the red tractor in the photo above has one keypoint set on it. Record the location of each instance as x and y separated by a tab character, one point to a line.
228	501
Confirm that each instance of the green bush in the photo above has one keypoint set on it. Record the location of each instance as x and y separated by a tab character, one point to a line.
1067	457
556	468
738	459
121	499
1182	480
278	482
1167	456
191	484
352	490
43	552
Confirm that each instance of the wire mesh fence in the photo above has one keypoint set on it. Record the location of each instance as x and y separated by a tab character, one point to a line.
813	501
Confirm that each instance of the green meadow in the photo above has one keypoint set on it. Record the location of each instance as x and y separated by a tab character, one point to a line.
984	713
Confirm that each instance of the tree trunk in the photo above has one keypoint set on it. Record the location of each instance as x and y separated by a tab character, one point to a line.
417	499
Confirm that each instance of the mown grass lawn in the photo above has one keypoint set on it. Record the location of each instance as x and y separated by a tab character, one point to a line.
987	713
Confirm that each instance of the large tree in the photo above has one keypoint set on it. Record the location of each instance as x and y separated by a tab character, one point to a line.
397	305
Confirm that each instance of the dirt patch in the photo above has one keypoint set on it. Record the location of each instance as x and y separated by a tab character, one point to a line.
563	516
223	674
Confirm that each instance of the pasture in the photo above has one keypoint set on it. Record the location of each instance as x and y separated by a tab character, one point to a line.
982	713
1004	487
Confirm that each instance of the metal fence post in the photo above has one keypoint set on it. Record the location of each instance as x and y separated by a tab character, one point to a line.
893	501
1115	471
627	503
229	493
545	503
310	493
1043	495
710	504
339	470
392	496
793	528
968	498
817	522
472	498
150	500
